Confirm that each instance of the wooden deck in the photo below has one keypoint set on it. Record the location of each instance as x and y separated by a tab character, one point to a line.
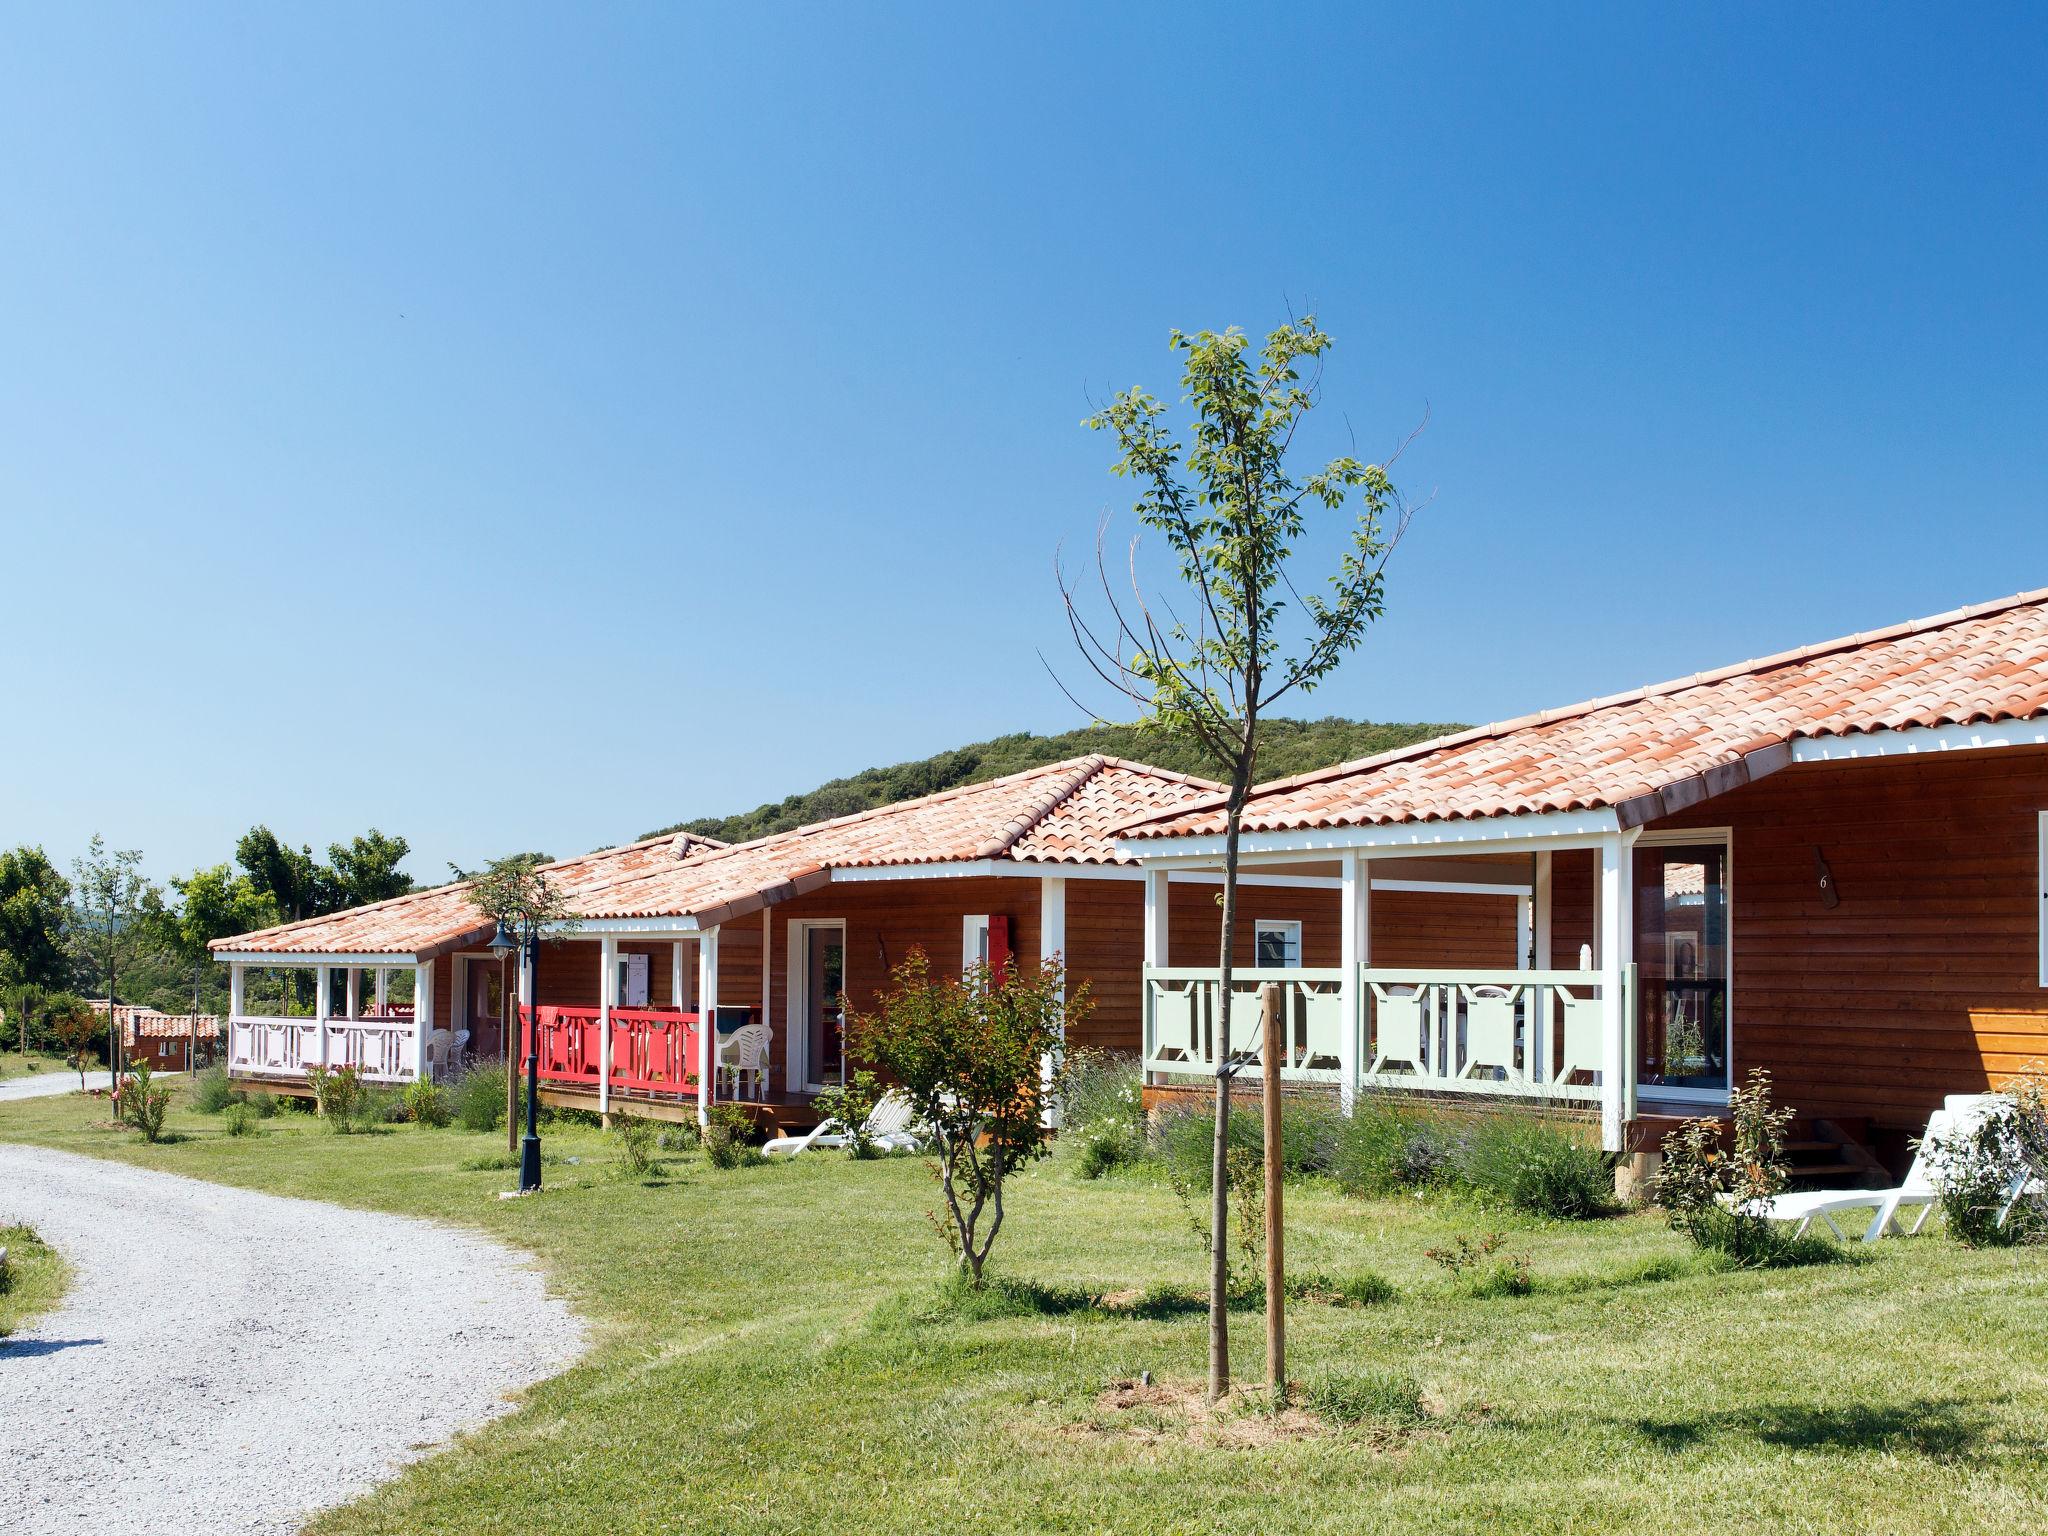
782	1113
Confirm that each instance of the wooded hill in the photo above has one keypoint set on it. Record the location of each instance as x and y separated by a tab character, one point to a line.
1285	747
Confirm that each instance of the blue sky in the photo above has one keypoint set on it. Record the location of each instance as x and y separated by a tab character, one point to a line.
521	425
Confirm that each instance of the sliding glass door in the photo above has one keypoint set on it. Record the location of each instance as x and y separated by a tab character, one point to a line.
1682	966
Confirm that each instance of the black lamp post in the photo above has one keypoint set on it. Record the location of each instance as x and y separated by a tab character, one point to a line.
503	943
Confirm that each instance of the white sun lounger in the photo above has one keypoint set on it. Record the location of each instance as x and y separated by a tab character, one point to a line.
888	1127
1959	1115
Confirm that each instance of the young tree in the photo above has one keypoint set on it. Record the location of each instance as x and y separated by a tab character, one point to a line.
517	894
21	1001
34	906
291	877
968	1054
76	1027
1232	512
215	903
112	899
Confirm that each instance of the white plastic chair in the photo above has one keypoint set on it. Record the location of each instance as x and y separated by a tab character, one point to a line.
889	1127
743	1058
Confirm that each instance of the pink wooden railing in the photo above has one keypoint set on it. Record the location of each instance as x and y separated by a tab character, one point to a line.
654	1050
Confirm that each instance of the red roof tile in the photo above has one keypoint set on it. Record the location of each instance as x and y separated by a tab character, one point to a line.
1975	666
1062	813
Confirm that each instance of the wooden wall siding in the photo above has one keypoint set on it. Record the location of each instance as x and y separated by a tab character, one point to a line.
1106	945
444	992
1442	929
1572	875
1194	931
1924	980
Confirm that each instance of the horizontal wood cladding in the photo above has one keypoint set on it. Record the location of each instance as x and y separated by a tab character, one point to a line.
1924	980
1433	928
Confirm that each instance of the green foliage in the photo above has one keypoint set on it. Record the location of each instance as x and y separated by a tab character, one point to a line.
851	1104
337	1092
730	1137
1310	1134
1721	1199
214	903
478	1096
34	906
1284	746
634	1136
1102	1116
112	916
144	1101
1537	1162
263	1103
1482	1266
1364	1397
427	1103
1392	1146
968	1055
213	1091
1989	1177
77	1029
242	1119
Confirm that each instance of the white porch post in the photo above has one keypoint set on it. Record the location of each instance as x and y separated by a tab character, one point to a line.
1156	936
238	1002
1539	1044
381	979
607	997
323	1003
1052	944
675	975
707	1020
767	992
1354	954
1614	954
355	992
422	1015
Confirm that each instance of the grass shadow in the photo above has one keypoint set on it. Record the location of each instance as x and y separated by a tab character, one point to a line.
1938	1428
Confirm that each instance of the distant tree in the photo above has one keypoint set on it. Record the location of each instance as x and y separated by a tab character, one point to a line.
111	920
365	869
968	1053
291	877
34	906
22	1000
535	859
76	1026
1232	512
214	903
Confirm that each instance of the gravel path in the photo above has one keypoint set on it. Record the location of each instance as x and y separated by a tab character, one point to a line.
227	1361
48	1084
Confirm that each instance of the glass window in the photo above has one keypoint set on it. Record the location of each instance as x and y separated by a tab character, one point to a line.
1681	934
1278	943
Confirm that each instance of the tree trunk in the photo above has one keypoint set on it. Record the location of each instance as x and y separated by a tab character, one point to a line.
1219	1159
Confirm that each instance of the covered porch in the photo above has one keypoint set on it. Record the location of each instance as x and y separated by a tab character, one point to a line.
1551	1018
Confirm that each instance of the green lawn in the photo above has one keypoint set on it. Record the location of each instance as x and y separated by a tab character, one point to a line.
758	1369
33	1280
14	1065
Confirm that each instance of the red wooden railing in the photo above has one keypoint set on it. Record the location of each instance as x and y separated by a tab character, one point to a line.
654	1050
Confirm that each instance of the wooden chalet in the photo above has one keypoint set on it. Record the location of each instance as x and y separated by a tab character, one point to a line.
1831	863
771	939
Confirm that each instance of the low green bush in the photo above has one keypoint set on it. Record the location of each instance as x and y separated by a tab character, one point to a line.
731	1138
1535	1161
213	1091
241	1120
1184	1139
1102	1115
1392	1146
1364	1397
263	1103
479	1097
144	1101
426	1103
634	1136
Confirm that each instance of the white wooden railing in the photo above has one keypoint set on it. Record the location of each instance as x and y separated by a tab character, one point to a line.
1530	1034
382	1048
1181	1025
1536	1034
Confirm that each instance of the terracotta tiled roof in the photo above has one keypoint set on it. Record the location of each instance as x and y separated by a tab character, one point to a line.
1656	750
1062	813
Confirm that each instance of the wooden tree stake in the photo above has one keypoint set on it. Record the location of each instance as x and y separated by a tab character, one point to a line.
1276	1257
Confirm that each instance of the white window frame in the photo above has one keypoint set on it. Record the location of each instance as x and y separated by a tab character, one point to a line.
2041	884
974	940
1289	928
630	961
